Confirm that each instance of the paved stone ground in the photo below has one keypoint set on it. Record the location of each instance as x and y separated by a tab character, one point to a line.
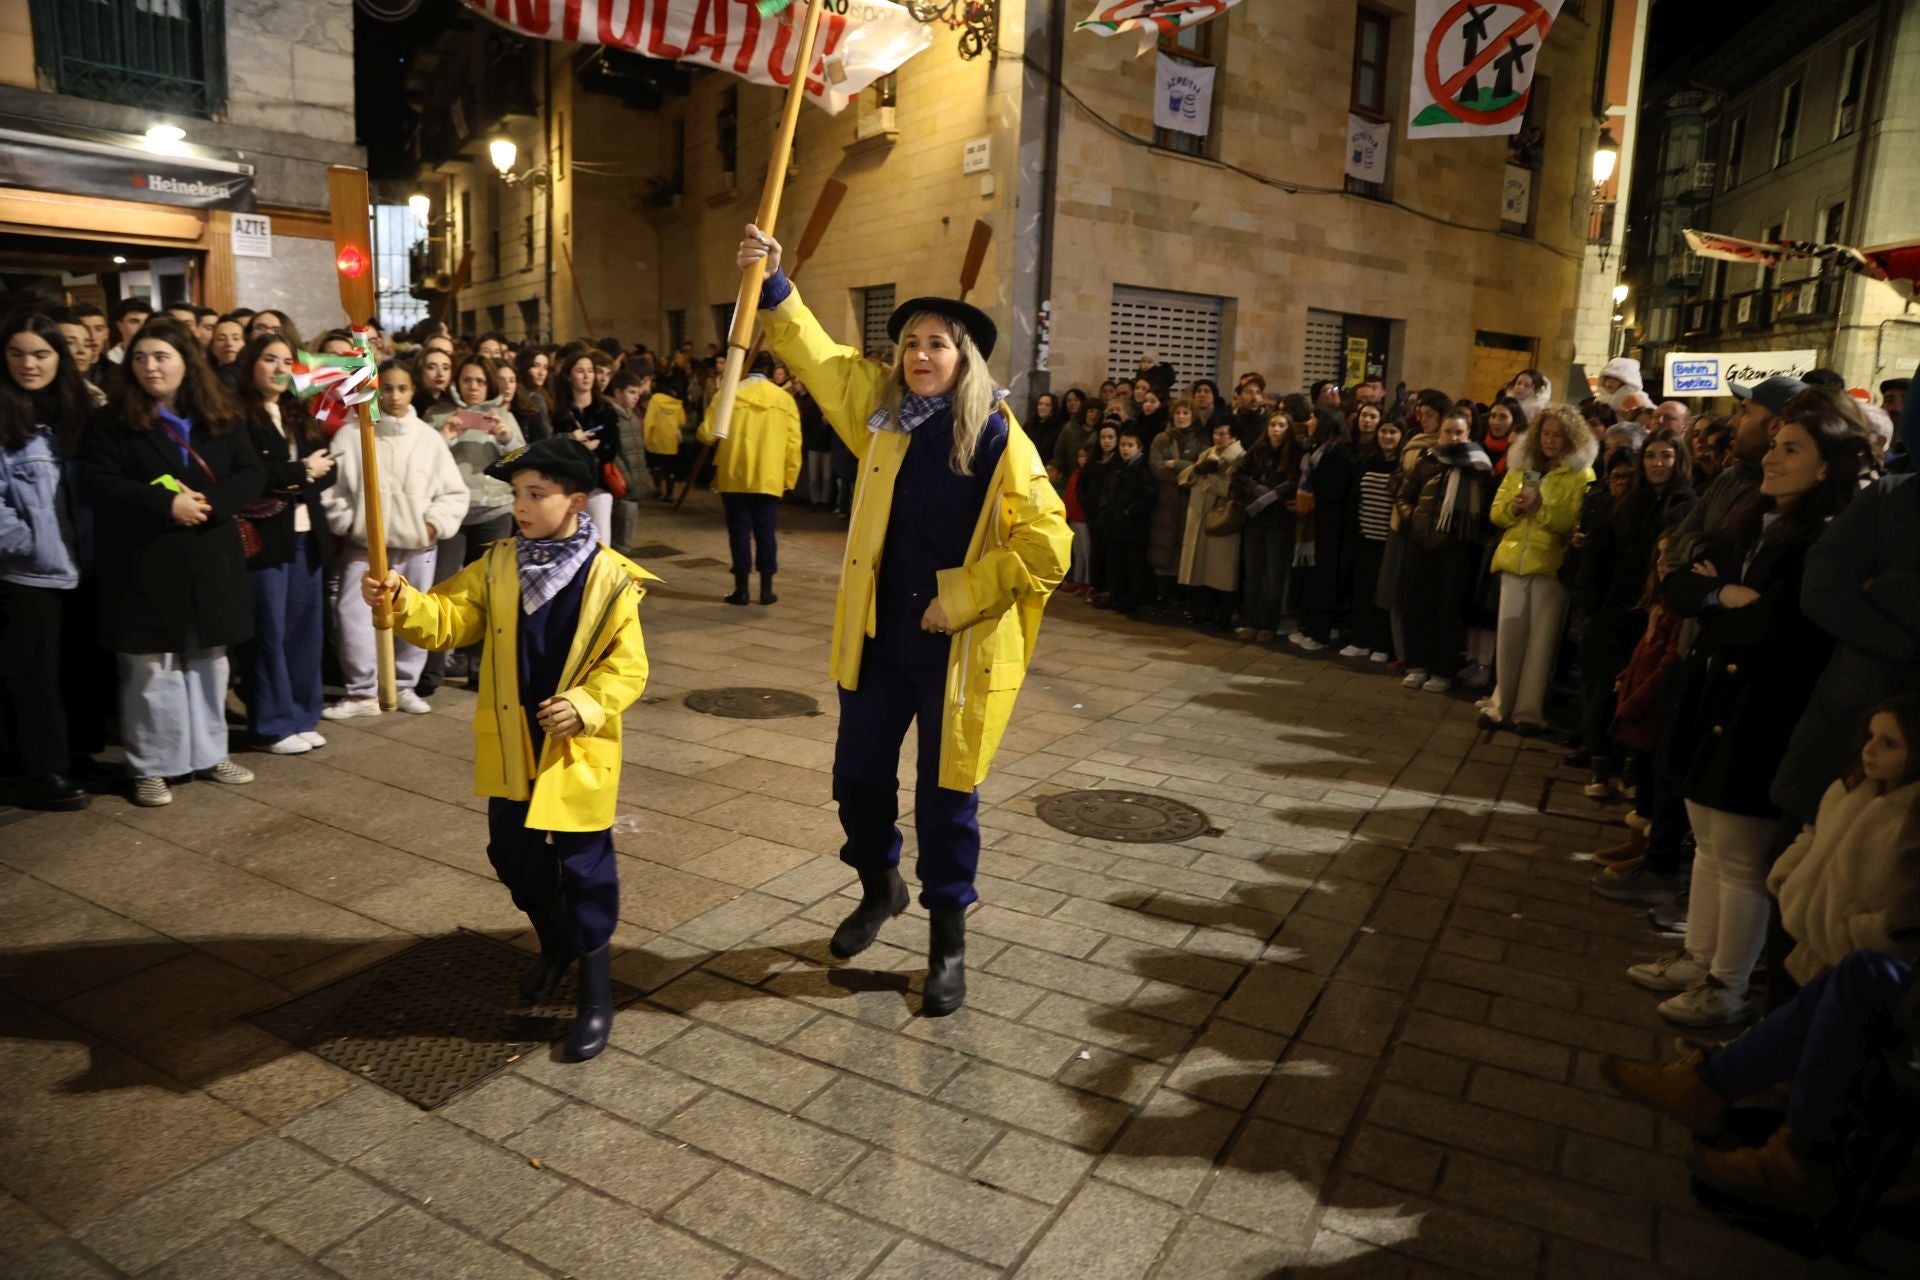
1355	1035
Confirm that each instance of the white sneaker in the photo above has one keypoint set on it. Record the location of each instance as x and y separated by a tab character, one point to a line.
1437	684
293	744
1354	651
348	708
412	703
1414	679
151	793
312	739
1381	656
1675	971
234	775
1304	642
1707	1005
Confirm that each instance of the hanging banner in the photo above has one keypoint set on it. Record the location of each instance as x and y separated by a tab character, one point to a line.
1896	265
1183	99
860	40
1516	194
1152	18
1366	149
1473	65
1708	373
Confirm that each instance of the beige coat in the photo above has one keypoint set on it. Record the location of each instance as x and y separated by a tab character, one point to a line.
1849	882
1207	560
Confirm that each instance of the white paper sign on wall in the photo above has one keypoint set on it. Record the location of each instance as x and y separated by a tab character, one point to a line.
252	235
1516	194
979	156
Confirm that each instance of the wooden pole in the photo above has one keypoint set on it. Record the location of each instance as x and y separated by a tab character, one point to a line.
579	298
823	210
976	257
747	303
353	263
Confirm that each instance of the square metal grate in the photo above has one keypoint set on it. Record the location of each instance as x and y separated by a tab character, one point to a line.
430	1022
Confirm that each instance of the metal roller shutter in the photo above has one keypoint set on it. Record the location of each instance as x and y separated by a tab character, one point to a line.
1182	329
1325	355
876	308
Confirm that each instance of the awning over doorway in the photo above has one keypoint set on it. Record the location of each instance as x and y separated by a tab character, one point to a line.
102	162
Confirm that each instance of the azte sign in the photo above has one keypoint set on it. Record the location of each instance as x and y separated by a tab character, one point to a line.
860	40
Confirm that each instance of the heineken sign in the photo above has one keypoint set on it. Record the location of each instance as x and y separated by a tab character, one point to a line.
96	163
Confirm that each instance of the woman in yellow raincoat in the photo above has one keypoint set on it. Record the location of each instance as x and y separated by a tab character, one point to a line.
956	541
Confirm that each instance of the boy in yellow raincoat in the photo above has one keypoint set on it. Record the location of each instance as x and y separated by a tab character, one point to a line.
559	614
956	541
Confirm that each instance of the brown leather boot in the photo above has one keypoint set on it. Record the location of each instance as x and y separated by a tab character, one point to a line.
1624	856
1671	1088
1778	1174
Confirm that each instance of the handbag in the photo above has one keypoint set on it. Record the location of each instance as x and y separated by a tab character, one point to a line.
1226	519
251	543
614	478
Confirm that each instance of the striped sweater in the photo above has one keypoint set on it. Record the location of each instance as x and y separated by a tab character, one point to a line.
1376	504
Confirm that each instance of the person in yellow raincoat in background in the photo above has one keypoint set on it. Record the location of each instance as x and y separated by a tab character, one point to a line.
757	462
956	541
660	431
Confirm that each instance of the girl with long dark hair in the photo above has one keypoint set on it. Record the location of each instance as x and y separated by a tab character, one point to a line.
1265	483
280	666
43	408
590	418
1329	469
168	469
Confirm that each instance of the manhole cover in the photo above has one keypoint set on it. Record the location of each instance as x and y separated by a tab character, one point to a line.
430	1022
752	704
1132	816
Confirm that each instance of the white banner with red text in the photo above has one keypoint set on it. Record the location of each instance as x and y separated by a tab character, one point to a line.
860	40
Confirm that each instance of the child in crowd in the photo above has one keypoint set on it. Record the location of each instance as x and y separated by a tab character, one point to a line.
1441	509
1127	513
1841	885
1079	578
548	746
660	431
422	497
1095	475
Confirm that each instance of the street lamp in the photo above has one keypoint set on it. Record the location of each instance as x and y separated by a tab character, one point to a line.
503	152
1619	294
421	206
165	139
1606	156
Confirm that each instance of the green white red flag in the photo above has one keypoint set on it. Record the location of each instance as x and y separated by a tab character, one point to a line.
859	41
1152	18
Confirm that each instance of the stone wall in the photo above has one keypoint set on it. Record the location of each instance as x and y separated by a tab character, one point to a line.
290	66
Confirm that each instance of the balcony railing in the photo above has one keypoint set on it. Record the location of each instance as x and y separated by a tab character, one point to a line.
166	55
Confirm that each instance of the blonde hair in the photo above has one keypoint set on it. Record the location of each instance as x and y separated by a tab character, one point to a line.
973	398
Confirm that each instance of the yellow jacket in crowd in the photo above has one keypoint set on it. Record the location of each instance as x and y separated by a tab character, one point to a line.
660	432
761	452
574	783
993	601
1537	543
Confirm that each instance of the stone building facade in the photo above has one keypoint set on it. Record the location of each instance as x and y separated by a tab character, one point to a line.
259	85
1246	250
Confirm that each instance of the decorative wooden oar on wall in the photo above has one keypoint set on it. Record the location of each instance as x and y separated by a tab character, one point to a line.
816	231
976	257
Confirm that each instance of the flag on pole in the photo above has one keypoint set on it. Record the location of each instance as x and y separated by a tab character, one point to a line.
1896	265
857	45
1152	18
1473	65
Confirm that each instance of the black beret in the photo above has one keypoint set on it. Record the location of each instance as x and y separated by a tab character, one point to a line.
560	457
975	321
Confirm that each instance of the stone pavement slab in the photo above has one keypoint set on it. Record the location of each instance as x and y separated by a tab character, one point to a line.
1354	1034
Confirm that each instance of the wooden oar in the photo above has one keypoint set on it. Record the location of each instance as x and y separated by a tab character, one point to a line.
579	298
976	257
823	210
353	261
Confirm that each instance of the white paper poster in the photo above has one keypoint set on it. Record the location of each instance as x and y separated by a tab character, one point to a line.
1708	373
1367	149
1184	101
1516	194
1473	65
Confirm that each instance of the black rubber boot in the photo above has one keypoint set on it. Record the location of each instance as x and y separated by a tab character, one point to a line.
739	595
946	988
594	1020
766	590
557	954
883	896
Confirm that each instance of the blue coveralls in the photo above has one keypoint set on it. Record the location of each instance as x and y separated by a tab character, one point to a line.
578	866
903	675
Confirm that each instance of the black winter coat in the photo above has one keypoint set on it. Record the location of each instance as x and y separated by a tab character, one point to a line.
1614	565
598	419
286	478
1127	500
165	587
1736	697
1095	479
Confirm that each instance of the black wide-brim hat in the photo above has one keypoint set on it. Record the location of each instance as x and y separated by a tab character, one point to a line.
975	321
557	457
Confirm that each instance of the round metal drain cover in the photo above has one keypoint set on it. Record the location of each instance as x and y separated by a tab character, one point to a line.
1132	816
752	704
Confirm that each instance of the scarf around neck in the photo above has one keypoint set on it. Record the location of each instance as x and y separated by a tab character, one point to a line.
915	411
548	564
1459	459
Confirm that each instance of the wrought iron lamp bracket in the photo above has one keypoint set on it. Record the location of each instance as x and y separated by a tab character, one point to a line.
977	21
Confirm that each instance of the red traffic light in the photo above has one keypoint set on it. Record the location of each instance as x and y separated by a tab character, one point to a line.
351	262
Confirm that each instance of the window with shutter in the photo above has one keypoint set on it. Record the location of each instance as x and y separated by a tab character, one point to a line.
876	308
1181	329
